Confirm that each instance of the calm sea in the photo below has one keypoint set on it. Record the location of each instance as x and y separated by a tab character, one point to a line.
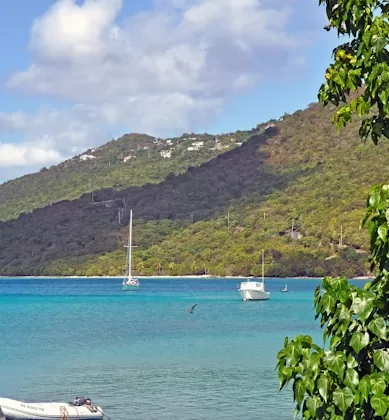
141	355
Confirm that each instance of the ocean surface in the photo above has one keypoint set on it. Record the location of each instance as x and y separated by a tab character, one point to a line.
141	355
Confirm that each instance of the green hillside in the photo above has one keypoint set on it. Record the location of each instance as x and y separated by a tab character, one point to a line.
132	160
299	173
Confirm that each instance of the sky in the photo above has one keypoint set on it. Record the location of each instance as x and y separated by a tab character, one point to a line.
76	73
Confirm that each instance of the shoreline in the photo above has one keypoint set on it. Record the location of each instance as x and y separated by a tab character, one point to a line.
194	277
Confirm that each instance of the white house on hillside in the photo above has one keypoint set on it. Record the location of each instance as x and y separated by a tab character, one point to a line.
197	145
87	157
167	154
127	158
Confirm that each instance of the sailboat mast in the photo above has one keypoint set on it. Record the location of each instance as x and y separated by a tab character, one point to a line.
130	246
263	266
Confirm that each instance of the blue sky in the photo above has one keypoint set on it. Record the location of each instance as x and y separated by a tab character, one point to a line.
76	73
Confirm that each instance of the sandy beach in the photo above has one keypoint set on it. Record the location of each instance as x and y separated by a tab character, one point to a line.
364	278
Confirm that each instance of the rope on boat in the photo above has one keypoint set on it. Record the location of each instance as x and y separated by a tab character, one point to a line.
102	413
78	414
64	413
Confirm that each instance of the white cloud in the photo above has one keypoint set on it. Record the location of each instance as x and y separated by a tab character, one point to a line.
69	31
168	69
12	122
50	136
21	155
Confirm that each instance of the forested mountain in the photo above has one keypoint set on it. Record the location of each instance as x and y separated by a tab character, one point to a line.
132	160
288	187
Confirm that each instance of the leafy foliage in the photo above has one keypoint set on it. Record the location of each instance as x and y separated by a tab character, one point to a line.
362	62
350	380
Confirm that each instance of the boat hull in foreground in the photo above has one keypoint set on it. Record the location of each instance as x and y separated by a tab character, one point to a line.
20	410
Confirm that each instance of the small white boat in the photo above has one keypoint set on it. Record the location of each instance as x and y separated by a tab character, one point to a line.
285	289
130	282
80	409
254	290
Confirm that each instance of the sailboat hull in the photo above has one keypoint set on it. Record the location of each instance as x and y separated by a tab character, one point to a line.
253	290
248	294
130	287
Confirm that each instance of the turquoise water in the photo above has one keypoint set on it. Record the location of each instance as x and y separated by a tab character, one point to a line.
141	355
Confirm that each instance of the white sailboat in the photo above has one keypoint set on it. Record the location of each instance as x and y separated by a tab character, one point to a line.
285	289
255	290
80	409
130	282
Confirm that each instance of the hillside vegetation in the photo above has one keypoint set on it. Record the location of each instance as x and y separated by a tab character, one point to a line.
132	160
289	189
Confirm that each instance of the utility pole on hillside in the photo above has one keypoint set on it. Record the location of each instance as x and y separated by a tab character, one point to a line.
341	237
228	219
120	215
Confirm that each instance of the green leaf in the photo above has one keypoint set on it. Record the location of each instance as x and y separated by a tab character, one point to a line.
351	378
383	97
351	362
363	307
339	283
381	360
359	341
298	391
383	232
379	42
364	387
313	403
338	78
379	404
377	385
378	327
293	351
315	361
366	38
374	198
357	397
285	374
328	301
336	363
343	398
322	386
309	384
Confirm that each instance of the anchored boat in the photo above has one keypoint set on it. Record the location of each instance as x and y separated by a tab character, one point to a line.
130	282
254	290
79	409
